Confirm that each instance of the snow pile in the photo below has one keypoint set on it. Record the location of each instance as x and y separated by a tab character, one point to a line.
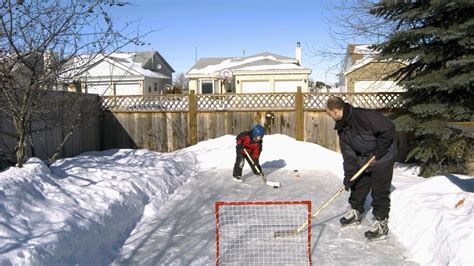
80	210
433	217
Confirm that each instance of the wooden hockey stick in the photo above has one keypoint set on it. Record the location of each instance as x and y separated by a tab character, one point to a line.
269	183
301	227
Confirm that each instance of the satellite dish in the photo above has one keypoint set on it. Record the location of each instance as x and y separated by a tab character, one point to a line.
158	66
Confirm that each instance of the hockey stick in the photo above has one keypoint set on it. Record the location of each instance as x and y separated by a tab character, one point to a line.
269	183
299	229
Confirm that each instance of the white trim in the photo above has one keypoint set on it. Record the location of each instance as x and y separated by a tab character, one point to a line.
206	81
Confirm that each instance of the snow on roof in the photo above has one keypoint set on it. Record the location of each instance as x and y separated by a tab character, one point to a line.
364	49
145	72
130	61
362	54
272	67
359	63
263	61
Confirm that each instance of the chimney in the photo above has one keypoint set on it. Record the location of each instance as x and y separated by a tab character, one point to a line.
48	59
298	53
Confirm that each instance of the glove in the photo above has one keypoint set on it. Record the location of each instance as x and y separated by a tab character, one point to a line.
257	166
379	153
347	182
361	160
239	147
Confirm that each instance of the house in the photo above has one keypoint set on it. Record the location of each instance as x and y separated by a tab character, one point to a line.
362	72
264	72
135	73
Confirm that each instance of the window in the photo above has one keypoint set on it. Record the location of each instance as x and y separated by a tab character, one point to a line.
207	86
155	85
149	89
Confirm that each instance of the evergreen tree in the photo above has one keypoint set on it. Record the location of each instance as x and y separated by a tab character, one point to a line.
435	39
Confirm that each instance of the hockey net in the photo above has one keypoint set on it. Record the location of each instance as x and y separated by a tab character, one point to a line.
245	233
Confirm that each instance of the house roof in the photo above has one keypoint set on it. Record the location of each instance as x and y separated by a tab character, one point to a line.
259	62
146	57
135	62
358	55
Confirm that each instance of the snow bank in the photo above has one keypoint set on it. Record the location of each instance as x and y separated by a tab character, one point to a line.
84	208
433	217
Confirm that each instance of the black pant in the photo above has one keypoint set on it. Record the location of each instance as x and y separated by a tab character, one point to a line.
239	164
379	181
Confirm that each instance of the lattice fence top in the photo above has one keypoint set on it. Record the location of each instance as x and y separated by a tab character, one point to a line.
373	100
267	101
136	103
247	102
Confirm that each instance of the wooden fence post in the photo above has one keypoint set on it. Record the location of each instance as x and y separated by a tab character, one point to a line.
192	119
299	112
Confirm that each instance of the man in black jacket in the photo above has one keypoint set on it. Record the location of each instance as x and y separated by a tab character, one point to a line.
364	133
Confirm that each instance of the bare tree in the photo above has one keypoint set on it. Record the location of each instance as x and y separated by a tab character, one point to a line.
42	41
181	82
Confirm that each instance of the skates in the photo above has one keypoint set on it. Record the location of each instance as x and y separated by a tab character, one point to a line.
379	229
352	217
238	179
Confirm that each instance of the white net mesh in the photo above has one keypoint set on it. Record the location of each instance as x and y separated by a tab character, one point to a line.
246	233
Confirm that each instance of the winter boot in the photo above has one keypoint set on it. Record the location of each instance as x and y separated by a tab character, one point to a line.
352	217
238	179
378	230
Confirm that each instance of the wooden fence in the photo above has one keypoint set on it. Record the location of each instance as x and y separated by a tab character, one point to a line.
171	122
64	111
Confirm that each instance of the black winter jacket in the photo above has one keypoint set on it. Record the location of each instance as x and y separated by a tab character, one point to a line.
363	133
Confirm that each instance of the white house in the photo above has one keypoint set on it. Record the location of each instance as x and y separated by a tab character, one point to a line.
362	72
135	73
265	72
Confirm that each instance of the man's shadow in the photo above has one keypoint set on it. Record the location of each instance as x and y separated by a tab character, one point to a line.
464	184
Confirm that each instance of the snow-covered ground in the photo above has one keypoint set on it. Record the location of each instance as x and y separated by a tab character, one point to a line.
148	208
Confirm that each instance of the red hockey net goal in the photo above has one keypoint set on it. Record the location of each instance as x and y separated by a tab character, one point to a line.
245	233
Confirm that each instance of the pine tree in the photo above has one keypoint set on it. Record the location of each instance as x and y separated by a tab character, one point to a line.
436	40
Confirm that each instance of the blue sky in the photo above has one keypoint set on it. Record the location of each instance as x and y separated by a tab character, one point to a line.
190	29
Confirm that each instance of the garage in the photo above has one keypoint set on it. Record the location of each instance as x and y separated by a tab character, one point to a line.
99	89
287	85
256	86
128	89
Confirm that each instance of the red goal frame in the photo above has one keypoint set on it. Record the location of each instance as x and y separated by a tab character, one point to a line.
219	204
